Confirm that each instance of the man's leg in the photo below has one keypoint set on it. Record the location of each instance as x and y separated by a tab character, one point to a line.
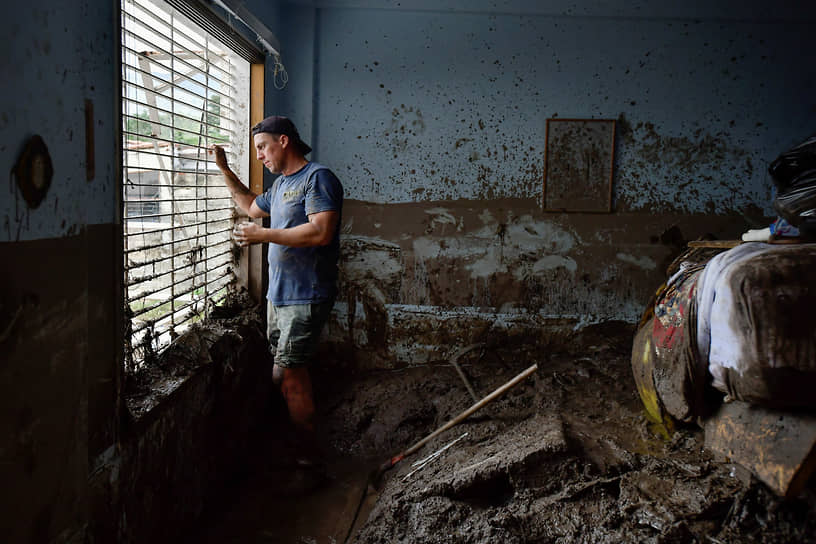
295	335
296	388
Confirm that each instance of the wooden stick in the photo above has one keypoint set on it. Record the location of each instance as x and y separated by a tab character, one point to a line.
476	407
455	362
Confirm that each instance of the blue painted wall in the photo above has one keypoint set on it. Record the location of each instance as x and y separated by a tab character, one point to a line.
428	101
55	57
61	270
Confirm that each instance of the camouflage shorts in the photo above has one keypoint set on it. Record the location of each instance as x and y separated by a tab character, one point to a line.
293	331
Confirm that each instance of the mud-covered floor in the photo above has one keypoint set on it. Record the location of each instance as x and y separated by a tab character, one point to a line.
566	456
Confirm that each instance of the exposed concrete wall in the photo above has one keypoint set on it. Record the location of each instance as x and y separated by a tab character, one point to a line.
433	115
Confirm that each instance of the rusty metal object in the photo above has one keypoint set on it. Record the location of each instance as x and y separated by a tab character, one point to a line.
33	171
778	447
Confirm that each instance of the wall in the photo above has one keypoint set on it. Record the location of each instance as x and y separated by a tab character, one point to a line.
433	115
60	316
58	375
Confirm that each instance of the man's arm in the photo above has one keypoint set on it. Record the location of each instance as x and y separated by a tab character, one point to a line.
240	192
319	231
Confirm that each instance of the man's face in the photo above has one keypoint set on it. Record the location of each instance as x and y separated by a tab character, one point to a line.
269	150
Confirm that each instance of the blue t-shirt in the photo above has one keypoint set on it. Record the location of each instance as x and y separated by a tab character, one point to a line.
302	275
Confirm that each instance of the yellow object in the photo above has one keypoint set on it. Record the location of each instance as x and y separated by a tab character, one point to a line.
643	358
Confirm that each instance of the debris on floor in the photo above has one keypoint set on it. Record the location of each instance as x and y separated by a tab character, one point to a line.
566	456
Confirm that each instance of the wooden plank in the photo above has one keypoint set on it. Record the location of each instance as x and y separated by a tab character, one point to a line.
728	244
778	447
715	243
254	253
256	114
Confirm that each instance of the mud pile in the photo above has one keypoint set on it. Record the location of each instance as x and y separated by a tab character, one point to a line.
235	326
566	456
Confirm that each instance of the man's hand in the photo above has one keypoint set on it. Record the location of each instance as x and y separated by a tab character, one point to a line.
220	156
240	192
318	231
248	233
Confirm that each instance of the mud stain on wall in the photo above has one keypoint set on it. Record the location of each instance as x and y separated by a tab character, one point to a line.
418	280
645	263
437	106
44	411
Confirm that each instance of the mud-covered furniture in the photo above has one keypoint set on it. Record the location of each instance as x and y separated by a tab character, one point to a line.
737	325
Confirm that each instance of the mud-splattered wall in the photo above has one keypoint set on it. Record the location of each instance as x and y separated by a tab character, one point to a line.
58	351
58	65
429	105
433	115
60	281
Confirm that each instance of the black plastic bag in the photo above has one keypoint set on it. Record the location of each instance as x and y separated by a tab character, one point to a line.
798	202
790	164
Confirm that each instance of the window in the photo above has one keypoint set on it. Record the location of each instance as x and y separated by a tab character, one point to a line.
182	90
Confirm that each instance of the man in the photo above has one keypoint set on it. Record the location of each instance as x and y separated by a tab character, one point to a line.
304	207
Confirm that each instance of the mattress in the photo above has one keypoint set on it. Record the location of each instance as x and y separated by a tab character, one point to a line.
756	323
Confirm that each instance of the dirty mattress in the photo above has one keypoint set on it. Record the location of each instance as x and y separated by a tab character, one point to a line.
756	323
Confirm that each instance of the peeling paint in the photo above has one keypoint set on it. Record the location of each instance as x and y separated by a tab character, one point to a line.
370	257
646	263
491	263
441	216
451	248
528	233
509	259
551	262
486	217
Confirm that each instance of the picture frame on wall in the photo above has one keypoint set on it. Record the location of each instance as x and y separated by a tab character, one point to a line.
579	159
